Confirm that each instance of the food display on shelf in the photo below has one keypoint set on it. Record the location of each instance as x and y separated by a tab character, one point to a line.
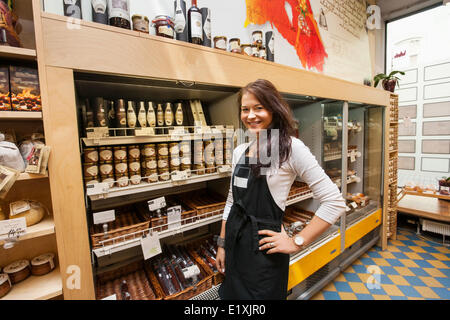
5	96
355	201
32	211
206	250
295	219
25	91
206	202
130	282
298	189
18	271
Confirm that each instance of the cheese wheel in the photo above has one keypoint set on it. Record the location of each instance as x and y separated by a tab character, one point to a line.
32	216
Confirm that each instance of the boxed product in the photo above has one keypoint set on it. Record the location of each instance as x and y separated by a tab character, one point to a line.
25	91
5	98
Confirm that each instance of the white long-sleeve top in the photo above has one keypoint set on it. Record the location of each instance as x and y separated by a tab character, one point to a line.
301	164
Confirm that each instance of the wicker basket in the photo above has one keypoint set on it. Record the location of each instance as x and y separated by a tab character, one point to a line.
127	222
139	286
205	202
188	293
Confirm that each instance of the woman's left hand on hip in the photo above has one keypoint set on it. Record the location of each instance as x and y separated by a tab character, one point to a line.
277	242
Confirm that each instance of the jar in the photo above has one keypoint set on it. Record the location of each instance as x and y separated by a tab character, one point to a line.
174	149
246	49
108	179
91	180
220	42
163	149
121	167
105	153
184	167
257	37
175	168
151	175
235	45
134	152
175	162
90	155
185	148
262	53
186	161
164	174
199	169
105	167
140	23
122	180
5	284
255	50
150	163
164	26
163	162
120	153
218	144
149	150
135	178
90	169
134	166
119	13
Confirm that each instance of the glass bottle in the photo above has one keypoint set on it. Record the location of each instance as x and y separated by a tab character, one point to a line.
195	27
72	8
119	13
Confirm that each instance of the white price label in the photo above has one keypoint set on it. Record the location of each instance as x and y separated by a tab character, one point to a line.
177	131
225	168
151	246
353	204
352	158
179	175
18	207
111	297
97	133
147	131
13	228
174	217
191	271
104	216
97	188
156	204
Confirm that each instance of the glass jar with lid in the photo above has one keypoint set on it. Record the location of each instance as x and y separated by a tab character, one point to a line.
235	45
164	26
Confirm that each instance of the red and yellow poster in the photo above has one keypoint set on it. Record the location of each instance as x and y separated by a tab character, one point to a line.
301	32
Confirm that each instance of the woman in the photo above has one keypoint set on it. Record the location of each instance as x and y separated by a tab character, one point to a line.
254	248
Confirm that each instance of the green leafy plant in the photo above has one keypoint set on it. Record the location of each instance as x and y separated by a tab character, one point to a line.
388	81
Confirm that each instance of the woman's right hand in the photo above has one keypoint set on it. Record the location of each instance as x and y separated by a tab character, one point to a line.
220	260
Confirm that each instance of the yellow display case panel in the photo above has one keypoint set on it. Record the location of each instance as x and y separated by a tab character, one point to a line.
307	265
363	227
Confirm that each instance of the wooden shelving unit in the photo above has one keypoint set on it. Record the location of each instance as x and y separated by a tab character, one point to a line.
31	176
17	53
43	228
20	115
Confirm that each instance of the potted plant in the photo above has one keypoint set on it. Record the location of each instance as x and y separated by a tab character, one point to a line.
387	81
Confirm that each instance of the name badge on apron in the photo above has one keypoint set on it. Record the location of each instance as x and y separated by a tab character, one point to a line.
241	177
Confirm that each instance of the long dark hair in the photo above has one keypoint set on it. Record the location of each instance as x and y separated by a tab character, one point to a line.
282	117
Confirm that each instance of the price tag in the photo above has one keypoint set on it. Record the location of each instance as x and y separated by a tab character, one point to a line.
150	246
177	131
174	217
347	209
156	204
191	271
112	297
147	131
353	204
179	175
97	188
225	168
97	133
352	157
13	228
104	216
18	207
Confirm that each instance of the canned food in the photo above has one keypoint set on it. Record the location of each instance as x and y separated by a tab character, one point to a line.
105	153
164	174
175	162
163	149
199	169
184	167
151	175
163	162
135	178
175	168
91	180
257	37
149	150
150	163
108	179
90	169
174	149
186	161
105	167
90	155
134	152
134	166
120	153
121	167
235	45
122	180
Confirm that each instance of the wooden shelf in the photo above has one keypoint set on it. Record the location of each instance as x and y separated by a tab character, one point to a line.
37	287
31	176
299	198
17	53
428	194
20	115
43	228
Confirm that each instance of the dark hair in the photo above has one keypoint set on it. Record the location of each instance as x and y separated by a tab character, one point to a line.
282	117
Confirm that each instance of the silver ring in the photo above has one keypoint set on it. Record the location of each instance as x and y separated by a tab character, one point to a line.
272	244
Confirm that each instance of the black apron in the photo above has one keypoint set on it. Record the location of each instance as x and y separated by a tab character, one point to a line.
251	274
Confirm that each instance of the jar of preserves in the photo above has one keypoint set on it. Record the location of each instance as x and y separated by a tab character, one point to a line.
174	149
186	161
175	168
90	155
119	13
255	50
88	181
210	168
246	49
151	175
175	162
105	153
220	42
185	148
106	167
257	37
140	23
235	45
164	26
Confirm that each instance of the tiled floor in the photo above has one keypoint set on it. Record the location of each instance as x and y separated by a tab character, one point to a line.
410	268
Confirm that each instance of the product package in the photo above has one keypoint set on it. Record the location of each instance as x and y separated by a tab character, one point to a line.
38	159
5	98
25	91
7	178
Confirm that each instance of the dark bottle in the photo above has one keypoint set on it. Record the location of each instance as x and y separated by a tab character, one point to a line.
121	117
89	115
270	42
181	30
111	115
206	21
119	13
99	11
101	118
142	115
179	118
195	27
168	115
72	8
131	117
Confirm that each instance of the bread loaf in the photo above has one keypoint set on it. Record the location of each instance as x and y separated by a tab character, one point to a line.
32	216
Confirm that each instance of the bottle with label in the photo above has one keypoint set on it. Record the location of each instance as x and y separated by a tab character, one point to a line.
119	13
270	42
151	117
206	20
142	115
181	31
195	27
179	114
160	118
121	117
131	117
101	119
72	8
168	115
99	11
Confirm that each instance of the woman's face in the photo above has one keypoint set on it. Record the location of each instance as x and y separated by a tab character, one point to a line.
253	114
